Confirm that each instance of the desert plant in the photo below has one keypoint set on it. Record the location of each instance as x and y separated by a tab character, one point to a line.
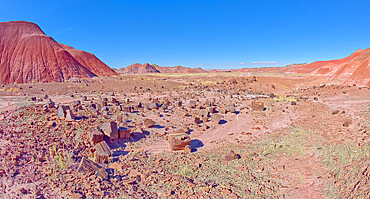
347	164
57	160
283	98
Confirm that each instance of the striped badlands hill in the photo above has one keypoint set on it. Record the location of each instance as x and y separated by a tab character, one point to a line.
28	55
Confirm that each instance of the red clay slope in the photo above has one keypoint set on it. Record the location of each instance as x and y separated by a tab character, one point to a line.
308	68
354	69
28	55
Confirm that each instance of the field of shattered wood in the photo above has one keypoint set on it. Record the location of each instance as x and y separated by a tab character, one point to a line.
184	136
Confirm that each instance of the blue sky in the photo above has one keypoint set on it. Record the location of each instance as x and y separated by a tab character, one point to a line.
202	33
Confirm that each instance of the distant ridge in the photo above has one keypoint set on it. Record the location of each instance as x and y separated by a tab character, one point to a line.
147	68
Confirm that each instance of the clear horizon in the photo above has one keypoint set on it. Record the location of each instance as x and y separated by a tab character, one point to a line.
206	34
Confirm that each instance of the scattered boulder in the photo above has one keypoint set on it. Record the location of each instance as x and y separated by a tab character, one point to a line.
88	166
178	103
223	111
254	79
62	111
65	112
216	118
211	109
347	123
70	115
197	120
124	132
110	129
231	156
102	152
127	109
96	136
148	123
50	103
205	119
154	106
258	106
335	112
179	141
230	109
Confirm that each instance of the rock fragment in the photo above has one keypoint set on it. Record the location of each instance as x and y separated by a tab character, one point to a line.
70	115
102	152
258	106
153	106
216	118
148	123
88	166
110	129
231	156
96	136
179	141
124	132
347	123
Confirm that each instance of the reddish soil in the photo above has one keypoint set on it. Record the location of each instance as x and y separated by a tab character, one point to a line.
284	150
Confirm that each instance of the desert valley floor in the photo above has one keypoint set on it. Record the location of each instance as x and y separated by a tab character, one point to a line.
239	135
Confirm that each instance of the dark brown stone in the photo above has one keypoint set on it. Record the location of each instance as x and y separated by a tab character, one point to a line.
88	166
197	120
96	135
124	132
